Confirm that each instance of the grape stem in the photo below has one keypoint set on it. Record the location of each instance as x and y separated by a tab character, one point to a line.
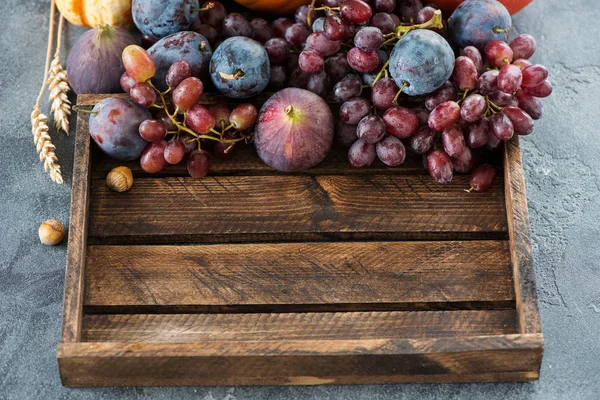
383	69
434	23
311	8
470	190
404	86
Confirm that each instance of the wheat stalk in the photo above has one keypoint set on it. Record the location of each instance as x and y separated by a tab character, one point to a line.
39	127
59	87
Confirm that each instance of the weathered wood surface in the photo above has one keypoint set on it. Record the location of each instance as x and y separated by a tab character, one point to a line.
255	208
78	231
299	273
197	328
301	361
520	240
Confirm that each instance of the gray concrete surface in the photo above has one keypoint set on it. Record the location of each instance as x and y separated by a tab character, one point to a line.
562	166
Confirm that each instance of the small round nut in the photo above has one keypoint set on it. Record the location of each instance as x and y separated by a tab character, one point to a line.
120	179
51	232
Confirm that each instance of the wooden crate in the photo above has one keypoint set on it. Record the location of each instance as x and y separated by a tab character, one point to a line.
332	276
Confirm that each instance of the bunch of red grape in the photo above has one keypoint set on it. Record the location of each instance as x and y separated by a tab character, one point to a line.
181	125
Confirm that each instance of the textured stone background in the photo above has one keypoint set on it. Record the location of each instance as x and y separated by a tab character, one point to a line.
562	167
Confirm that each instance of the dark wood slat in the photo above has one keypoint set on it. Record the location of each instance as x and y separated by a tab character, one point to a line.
299	273
253	208
300	362
295	326
520	240
78	229
246	162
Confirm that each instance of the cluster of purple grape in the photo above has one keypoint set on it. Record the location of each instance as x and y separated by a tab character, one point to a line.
181	125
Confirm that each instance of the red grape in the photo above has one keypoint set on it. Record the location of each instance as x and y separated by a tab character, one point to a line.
422	114
138	63
362	61
200	119
243	116
299	78
522	63
147	41
475	55
488	82
534	75
311	62
352	111
297	34
143	95
162	115
531	105
465	73
224	151
443	94
422	141
391	151
127	82
409	9
362	154
464	162
502	99
371	129
369	38
174	152
320	43
345	134
153	159
355	11
278	50
188	93
544	89
493	143
262	30
523	46
318	84
178	71
278	78
188	141
384	22
482	177
522	122
444	116
281	25
236	24
205	30
337	67
502	126
153	130
383	93
498	53
334	27
221	113
473	108
198	164
509	78
425	14
478	134
440	167
350	86
213	14
385	6
401	122
453	141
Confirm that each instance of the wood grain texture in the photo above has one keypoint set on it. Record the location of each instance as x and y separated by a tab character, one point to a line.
78	229
196	328
254	208
520	240
299	273
300	362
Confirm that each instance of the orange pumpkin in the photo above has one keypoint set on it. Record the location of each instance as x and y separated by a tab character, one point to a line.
92	13
289	6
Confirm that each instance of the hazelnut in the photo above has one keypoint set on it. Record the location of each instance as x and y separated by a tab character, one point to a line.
120	179
51	232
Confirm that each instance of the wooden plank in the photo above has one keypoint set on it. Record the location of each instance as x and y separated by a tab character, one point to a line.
78	229
300	362
342	273
520	240
254	208
196	328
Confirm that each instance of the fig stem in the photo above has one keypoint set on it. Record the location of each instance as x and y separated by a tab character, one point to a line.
289	111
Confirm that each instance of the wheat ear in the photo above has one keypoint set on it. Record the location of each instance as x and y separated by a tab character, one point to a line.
39	127
59	87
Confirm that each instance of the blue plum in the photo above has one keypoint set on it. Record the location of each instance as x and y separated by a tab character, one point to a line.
423	60
240	68
478	22
160	18
114	127
190	47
